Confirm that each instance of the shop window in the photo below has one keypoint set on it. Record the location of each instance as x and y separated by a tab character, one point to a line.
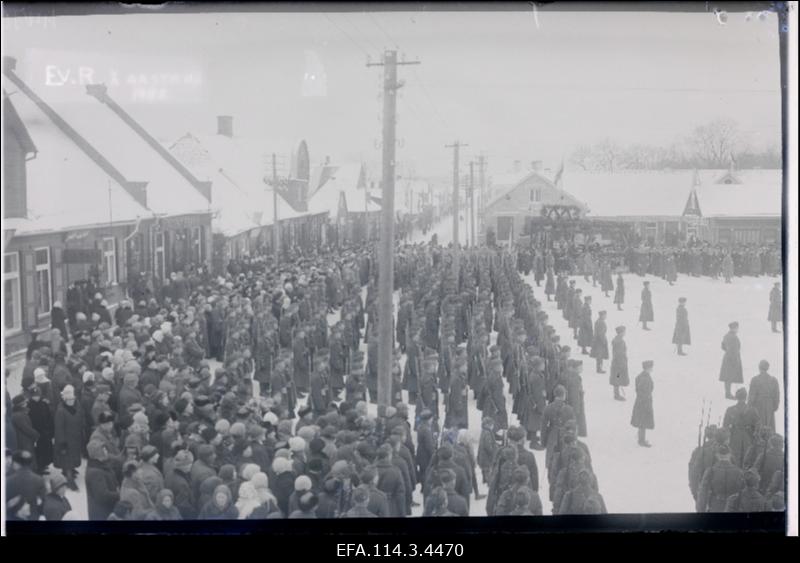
11	291
43	280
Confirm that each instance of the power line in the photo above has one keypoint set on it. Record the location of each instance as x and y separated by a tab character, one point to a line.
362	35
353	41
379	26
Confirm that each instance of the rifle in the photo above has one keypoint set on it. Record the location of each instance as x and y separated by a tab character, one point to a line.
700	426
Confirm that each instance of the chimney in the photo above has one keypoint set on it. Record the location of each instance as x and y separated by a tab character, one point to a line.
536	165
225	125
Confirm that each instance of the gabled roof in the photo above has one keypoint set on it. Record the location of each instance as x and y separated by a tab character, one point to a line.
347	180
67	187
551	193
242	202
13	122
666	193
631	193
100	93
759	193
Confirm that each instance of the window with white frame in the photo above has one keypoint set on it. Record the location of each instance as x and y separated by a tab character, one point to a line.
110	260
11	290
43	286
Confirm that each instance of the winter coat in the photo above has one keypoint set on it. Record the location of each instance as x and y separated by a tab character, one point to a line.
179	483
681	335
731	369
69	436
718	484
556	416
600	341
211	511
391	482
585	334
26	434
765	397
28	485
742	422
102	489
426	447
618	374
775	306
646	312
643	416
55	507
619	292
487	450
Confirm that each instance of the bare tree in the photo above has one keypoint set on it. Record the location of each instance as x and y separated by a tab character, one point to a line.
582	157
608	155
715	142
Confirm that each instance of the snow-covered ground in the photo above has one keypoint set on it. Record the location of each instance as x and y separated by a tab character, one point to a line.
634	479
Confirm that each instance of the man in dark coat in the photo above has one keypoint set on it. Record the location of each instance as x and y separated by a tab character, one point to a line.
643	417
456	414
585	334
179	482
600	342
102	487
646	312
320	398
41	417
516	438
572	381
390	482
301	359
24	483
749	499
426	442
681	336
731	370
26	434
742	422
618	373
619	292
719	483
556	416
775	315
765	395
69	436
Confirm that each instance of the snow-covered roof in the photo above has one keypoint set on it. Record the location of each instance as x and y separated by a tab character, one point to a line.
168	192
236	171
758	194
348	181
65	188
665	192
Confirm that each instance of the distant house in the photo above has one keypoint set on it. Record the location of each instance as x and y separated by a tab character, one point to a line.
669	206
88	198
240	170
343	195
519	202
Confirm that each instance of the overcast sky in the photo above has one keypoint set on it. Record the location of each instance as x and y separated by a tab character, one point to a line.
514	85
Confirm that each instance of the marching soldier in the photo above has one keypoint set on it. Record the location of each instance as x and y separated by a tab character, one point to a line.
731	370
320	396
741	421
719	483
748	499
535	399
646	312
456	413
576	312
600	342
775	315
643	418
619	292
492	401
428	394
585	334
681	336
765	395
703	457
618	373
556	415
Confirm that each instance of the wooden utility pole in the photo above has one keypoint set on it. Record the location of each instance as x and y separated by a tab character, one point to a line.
386	254
482	187
276	228
456	243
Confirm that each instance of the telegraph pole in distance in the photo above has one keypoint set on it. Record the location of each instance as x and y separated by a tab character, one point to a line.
472	202
276	238
482	186
455	146
386	254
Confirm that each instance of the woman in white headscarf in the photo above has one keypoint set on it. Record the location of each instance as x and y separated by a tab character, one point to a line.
249	500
